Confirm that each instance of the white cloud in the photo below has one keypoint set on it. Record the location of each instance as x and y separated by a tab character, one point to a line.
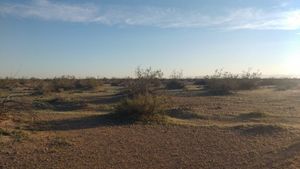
246	18
47	10
258	19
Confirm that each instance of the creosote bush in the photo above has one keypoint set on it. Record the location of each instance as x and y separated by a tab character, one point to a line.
223	83
146	82
145	108
286	84
143	103
65	83
10	83
175	82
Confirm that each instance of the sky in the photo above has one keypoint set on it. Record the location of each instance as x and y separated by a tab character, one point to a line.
110	38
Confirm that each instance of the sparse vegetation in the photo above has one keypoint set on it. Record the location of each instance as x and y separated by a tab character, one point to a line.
175	84
145	108
65	83
69	121
175	81
223	83
281	84
59	103
286	84
143	104
146	82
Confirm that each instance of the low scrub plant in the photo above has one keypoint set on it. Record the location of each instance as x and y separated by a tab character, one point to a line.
143	103
146	82
222	83
286	84
175	81
175	84
145	108
65	83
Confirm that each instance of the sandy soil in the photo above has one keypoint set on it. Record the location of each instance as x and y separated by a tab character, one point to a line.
219	139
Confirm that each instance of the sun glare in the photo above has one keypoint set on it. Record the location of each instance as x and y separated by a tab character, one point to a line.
292	65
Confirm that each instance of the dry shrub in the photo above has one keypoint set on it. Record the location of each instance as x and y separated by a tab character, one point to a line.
118	82
9	83
144	108
65	83
88	83
281	84
222	83
286	84
59	103
43	87
175	84
200	82
143	103
3	109
146	82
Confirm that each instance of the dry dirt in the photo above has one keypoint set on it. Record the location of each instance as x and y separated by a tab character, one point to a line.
221	136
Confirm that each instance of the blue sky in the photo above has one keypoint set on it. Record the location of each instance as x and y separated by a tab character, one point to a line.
47	38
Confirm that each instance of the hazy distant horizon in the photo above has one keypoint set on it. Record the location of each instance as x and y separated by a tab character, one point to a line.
48	38
132	75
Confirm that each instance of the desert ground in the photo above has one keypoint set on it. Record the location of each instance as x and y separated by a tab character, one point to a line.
73	129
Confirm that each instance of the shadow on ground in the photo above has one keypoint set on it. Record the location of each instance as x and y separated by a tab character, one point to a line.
92	121
104	99
59	104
